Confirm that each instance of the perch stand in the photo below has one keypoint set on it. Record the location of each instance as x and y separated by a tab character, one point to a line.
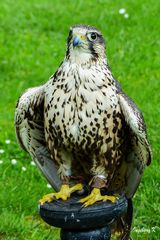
82	223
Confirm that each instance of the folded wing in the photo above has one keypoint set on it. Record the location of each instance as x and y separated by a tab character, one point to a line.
29	125
139	151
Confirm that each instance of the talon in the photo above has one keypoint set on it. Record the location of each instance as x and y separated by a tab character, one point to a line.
96	196
110	198
46	198
63	194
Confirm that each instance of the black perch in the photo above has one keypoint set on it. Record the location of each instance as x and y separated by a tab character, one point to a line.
83	223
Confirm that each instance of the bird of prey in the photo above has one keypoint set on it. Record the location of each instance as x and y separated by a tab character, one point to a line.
88	127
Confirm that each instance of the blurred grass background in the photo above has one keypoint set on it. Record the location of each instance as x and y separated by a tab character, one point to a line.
32	45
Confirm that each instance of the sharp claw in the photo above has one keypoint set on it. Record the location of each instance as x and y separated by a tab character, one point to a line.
81	207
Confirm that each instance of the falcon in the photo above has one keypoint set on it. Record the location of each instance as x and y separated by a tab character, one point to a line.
90	131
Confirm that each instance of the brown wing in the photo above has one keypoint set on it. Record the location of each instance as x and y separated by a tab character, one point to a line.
139	151
29	125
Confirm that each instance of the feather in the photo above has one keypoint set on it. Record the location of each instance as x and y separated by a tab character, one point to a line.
29	126
139	151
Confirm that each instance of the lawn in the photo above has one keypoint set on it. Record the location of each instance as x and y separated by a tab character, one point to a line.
32	44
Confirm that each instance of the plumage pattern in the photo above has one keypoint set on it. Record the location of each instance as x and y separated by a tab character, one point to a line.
84	121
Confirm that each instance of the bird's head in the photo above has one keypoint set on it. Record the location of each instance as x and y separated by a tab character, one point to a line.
85	44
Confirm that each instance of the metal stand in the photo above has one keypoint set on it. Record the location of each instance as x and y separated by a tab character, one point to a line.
83	223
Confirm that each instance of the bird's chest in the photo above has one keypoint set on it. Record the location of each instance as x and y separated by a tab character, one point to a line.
80	114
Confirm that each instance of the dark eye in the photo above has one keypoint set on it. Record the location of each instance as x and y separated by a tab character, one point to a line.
92	36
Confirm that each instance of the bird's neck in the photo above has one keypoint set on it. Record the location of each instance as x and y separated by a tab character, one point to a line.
85	59
95	74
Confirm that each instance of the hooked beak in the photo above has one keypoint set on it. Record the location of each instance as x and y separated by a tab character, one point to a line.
77	41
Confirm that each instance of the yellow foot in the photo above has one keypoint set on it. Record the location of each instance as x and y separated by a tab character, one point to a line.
96	196
64	193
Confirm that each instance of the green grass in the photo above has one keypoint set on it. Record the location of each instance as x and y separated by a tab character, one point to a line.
32	45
